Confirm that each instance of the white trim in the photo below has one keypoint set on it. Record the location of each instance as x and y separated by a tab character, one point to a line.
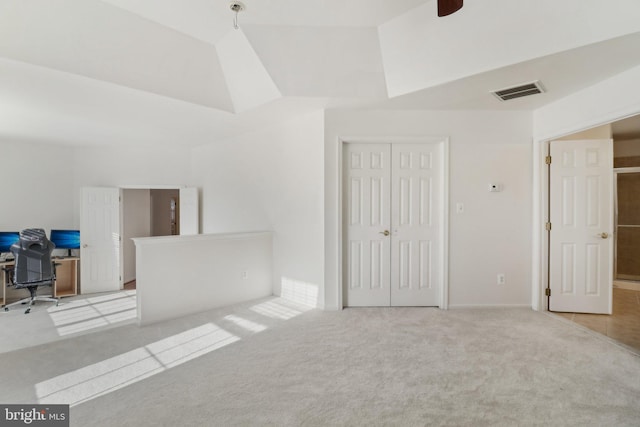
341	289
626	170
121	231
444	291
392	140
443	141
496	306
149	241
537	221
152	187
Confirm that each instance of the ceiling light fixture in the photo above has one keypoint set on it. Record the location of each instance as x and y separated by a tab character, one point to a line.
237	7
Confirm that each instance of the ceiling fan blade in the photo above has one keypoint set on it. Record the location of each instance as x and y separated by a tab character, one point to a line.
447	7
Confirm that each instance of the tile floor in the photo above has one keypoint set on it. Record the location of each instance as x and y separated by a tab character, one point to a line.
623	325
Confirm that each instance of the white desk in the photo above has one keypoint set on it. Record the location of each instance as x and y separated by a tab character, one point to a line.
66	283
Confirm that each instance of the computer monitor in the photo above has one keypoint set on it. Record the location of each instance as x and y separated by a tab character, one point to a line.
66	239
7	238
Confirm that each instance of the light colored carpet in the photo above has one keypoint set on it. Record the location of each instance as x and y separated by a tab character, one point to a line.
272	363
74	316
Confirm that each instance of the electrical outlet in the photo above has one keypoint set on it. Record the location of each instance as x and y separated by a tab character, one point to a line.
501	280
245	275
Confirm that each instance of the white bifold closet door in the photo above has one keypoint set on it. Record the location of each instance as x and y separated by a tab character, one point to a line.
392	223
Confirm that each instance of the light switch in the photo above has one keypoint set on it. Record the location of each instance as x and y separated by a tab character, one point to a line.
459	207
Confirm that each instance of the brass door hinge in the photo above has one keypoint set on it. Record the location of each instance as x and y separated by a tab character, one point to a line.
547	292
547	160
547	226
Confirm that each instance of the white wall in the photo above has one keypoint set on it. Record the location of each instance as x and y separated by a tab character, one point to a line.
44	180
270	179
136	213
122	166
38	190
602	103
493	234
181	275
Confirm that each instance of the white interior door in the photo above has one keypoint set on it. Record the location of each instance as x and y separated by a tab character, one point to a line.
581	216
100	239
415	217
393	224
367	222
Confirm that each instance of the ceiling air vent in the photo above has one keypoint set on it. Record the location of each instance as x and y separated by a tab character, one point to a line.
519	91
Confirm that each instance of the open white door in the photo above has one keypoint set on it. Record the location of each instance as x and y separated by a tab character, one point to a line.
581	216
189	211
100	239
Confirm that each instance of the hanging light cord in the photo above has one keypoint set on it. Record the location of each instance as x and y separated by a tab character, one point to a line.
236	7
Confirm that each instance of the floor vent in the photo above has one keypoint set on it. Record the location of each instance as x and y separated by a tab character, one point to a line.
519	91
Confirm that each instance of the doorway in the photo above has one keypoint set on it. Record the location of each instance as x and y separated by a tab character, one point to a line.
393	222
627	234
621	325
101	231
146	213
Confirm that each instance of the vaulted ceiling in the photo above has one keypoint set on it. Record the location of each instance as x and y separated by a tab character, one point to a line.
176	71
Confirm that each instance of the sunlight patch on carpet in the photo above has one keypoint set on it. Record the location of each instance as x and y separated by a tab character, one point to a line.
119	371
94	312
278	309
245	324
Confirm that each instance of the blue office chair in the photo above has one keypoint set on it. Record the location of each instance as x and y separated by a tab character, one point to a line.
33	266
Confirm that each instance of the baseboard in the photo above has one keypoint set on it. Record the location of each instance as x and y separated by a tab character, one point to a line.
621	284
456	306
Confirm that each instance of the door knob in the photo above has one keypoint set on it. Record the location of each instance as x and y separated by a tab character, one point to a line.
385	232
604	235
